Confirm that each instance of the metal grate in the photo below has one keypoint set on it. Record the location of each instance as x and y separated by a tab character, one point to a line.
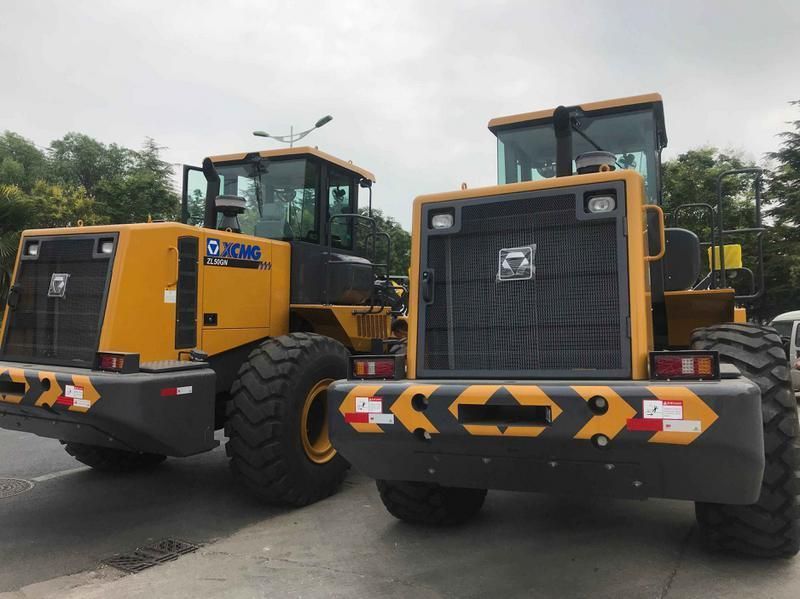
373	326
59	329
143	558
13	486
564	319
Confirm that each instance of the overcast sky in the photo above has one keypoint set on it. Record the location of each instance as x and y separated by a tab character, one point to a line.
411	85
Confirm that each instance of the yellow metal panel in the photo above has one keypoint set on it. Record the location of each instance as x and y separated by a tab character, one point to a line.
688	310
586	107
279	300
733	256
13	277
739	314
138	317
216	341
239	296
347	324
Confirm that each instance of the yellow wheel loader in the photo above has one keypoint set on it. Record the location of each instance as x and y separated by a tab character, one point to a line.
130	343
563	339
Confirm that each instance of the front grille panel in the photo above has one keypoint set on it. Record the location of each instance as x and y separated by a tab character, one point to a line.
567	320
59	330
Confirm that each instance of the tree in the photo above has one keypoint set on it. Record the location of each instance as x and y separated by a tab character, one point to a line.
400	242
78	159
21	162
79	179
783	253
692	177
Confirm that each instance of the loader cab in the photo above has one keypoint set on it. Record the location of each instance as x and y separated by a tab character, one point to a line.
297	195
630	128
290	195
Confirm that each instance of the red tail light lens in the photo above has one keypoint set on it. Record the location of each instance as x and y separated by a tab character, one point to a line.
117	362
382	368
111	362
684	365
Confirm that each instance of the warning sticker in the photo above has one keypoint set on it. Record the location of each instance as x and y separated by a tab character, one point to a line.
74	392
369	405
667	409
82	403
672	409
170	296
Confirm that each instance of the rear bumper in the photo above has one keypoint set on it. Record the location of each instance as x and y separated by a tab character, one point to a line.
137	412
709	447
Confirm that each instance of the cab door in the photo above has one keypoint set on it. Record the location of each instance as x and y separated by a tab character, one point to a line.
193	195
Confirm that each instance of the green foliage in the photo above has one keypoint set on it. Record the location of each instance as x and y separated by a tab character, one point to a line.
783	245
692	176
401	242
77	179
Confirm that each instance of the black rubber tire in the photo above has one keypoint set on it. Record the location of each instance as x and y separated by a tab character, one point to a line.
430	504
107	459
770	527
263	419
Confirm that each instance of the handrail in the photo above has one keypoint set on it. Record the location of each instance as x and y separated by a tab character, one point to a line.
758	172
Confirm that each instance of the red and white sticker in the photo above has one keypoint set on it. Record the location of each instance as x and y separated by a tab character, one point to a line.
368	418
656	425
173	391
666	409
369	405
63	400
73	392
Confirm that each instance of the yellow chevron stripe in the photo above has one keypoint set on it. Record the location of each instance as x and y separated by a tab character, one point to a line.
49	397
405	412
17	375
89	392
610	423
694	408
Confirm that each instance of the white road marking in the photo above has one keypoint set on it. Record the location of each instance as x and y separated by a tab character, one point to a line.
52	475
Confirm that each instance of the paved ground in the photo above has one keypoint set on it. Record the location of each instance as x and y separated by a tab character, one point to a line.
523	545
69	523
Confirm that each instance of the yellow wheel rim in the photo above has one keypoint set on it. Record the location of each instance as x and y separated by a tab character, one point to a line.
314	424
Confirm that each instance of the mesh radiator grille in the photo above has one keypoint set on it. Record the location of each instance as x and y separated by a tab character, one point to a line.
567	317
59	329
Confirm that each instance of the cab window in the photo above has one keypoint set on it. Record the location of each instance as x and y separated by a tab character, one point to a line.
341	200
282	198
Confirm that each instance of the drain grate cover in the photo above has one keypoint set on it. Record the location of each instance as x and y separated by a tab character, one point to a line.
13	486
152	555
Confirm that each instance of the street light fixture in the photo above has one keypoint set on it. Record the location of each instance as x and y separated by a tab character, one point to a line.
293	137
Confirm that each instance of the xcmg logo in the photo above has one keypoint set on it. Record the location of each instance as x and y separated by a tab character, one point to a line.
230	249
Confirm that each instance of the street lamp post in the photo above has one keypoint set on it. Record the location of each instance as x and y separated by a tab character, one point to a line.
293	137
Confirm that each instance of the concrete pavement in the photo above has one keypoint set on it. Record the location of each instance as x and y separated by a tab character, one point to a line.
523	545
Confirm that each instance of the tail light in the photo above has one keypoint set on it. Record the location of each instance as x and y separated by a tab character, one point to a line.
377	367
117	362
684	365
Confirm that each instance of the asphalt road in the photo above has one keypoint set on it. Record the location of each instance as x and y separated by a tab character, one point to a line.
70	522
522	545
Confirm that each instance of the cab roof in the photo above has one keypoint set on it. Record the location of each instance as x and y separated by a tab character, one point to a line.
613	105
299	151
